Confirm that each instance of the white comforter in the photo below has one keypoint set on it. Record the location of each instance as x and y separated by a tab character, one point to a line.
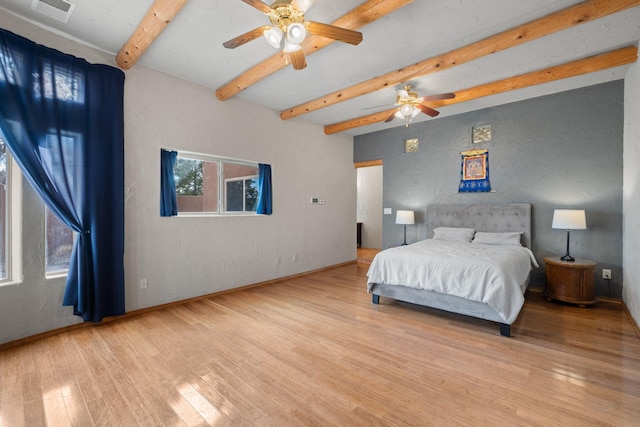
493	274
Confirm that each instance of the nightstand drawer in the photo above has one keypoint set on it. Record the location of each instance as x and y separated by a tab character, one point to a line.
570	281
564	280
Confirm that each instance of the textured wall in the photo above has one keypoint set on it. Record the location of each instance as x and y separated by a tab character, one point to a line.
557	151
187	257
631	225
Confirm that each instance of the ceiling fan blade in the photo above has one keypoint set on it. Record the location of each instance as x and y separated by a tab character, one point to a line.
336	33
437	97
262	7
297	59
392	116
427	110
303	5
246	37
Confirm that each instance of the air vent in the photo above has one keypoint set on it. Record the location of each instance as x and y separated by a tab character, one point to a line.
56	9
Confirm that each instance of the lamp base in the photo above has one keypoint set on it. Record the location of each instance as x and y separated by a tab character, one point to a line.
567	257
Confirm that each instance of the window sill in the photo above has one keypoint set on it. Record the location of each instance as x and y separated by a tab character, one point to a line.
10	283
215	215
57	275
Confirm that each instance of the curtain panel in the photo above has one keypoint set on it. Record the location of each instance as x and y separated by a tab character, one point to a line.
264	190
62	119
168	196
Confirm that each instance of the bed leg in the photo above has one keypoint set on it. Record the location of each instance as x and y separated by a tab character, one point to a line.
375	298
505	330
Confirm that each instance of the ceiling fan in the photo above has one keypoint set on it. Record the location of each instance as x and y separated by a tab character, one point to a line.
289	29
410	105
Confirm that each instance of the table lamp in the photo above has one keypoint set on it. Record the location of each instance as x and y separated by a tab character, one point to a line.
569	219
405	218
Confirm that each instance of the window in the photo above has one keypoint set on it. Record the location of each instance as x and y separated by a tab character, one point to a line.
58	243
65	85
59	238
9	63
241	194
215	185
10	209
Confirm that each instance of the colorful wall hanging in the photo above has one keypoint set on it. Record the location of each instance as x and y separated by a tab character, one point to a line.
474	176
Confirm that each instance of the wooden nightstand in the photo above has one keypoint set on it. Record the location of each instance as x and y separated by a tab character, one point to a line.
570	282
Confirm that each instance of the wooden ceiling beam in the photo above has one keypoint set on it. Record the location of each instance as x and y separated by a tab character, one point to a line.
362	15
552	23
591	64
154	22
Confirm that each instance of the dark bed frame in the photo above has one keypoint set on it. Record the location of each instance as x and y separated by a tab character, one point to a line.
487	217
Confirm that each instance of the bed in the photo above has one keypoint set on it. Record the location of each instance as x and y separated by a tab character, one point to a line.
479	278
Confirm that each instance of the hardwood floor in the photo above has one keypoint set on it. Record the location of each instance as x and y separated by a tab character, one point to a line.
314	351
365	255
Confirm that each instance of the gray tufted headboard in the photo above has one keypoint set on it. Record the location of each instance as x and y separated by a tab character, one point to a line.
491	217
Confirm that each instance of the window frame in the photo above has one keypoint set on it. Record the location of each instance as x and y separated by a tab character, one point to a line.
13	213
54	273
68	138
222	191
244	192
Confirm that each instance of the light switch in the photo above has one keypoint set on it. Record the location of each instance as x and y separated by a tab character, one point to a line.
387	211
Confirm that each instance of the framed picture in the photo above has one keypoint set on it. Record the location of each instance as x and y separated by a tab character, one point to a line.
481	134
411	145
474	167
474	173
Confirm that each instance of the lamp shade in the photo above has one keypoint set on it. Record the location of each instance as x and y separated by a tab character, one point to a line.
405	217
569	219
296	33
290	47
273	36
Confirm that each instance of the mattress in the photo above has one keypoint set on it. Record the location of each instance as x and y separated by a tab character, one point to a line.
492	274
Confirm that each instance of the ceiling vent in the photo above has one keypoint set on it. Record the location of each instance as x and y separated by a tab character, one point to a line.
56	9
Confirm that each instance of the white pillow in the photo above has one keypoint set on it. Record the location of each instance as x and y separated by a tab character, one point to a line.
509	239
453	234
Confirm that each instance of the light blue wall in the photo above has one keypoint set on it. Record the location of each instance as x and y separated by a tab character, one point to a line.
557	151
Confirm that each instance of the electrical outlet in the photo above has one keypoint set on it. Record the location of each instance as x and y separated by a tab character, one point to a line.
144	283
606	274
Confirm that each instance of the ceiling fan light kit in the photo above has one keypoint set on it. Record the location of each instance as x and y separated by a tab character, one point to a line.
410	105
290	47
273	36
288	24
296	33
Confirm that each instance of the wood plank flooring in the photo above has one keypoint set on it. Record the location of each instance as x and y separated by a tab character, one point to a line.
314	351
366	255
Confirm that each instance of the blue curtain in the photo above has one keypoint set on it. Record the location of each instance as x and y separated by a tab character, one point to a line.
62	118
264	189
168	197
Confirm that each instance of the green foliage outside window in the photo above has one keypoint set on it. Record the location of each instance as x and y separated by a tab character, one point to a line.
188	173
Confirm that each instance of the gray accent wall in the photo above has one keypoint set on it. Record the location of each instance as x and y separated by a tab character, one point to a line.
557	151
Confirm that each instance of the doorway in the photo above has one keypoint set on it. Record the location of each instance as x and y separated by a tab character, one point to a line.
369	206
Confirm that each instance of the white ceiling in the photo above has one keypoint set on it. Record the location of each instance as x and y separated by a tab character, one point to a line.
191	48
